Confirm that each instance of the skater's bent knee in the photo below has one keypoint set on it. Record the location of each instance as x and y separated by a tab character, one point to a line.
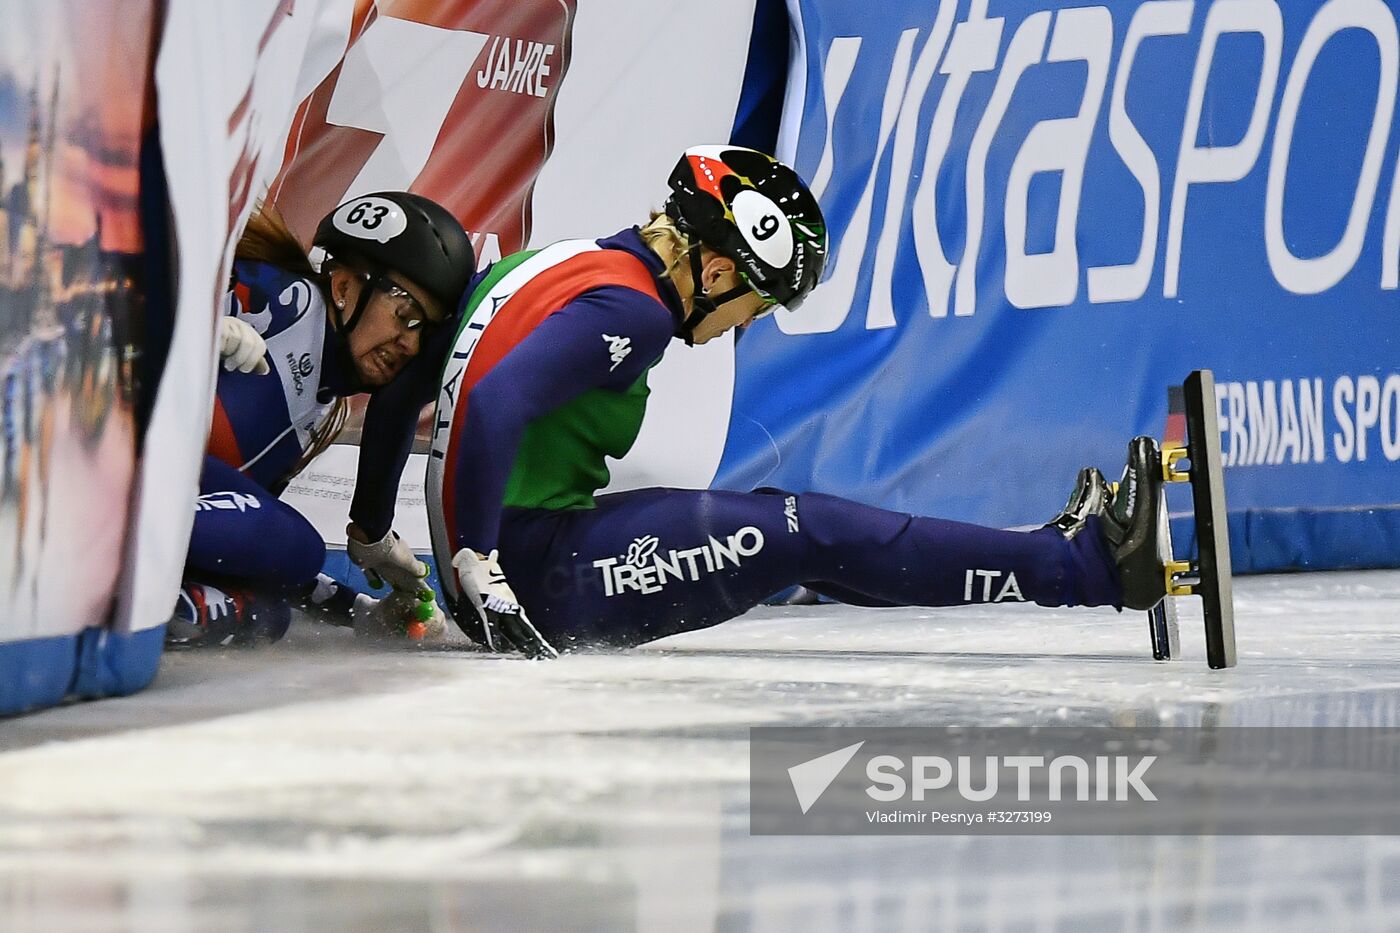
294	555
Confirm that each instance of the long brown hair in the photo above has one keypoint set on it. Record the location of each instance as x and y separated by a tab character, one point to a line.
268	238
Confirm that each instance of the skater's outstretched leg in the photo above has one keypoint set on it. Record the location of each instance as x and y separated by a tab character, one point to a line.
650	563
892	558
1089	498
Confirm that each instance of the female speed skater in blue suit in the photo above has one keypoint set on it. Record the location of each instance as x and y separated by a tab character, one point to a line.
295	343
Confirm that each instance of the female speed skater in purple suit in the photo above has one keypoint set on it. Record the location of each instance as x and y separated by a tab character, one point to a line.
548	376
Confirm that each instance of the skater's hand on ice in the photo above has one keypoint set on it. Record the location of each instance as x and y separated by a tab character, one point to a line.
502	620
387	560
241	347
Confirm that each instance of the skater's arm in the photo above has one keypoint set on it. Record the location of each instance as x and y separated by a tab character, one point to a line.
263	301
269	298
391	422
606	339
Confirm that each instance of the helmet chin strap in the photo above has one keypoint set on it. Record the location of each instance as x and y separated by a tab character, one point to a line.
702	304
341	342
361	303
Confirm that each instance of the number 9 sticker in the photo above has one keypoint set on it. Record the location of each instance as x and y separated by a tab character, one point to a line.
370	218
764	227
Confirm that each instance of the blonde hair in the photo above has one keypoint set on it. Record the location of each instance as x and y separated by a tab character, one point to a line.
268	238
664	237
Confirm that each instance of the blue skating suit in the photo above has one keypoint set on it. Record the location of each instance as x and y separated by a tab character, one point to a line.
243	534
261	426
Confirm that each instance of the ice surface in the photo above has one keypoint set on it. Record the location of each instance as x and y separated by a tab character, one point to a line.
326	784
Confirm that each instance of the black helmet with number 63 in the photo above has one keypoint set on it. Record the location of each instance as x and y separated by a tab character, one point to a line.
752	208
405	233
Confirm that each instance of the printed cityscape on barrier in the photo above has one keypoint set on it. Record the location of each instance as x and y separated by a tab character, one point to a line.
71	305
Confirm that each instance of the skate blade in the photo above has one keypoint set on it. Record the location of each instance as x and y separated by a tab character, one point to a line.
1162	624
1208	577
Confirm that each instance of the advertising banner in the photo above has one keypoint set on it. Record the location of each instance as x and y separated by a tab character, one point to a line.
1043	215
453	101
74	104
532	122
228	78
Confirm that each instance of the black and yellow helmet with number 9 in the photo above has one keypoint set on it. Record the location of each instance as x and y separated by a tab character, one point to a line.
752	208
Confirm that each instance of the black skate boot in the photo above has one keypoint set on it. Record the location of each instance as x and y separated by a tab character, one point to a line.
329	600
414	616
1090	497
1131	526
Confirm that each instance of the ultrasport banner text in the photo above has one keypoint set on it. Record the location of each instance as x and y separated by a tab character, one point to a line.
1043	215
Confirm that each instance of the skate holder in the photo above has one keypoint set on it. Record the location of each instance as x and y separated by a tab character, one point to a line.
1193	436
1177	570
1172	455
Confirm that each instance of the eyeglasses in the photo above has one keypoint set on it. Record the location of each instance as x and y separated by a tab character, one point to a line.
407	310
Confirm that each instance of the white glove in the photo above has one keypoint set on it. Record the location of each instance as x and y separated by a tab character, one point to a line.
388	560
241	347
501	623
399	615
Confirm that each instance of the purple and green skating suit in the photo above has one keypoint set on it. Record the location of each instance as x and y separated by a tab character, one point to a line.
547	379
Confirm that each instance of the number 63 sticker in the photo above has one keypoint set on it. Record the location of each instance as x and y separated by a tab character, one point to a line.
370	218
